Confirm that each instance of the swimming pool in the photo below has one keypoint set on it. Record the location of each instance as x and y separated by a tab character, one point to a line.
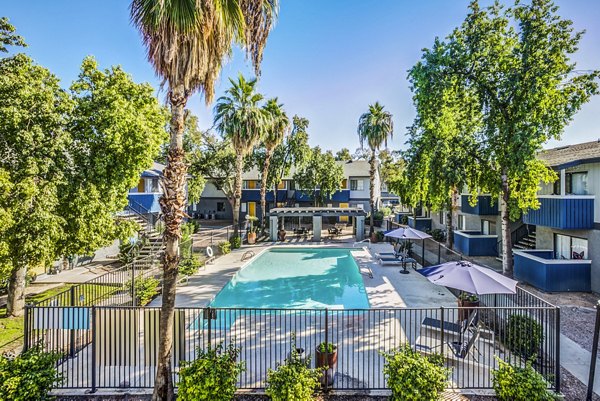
310	278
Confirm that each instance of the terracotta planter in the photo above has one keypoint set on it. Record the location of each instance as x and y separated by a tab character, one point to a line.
374	238
463	314
326	359
251	238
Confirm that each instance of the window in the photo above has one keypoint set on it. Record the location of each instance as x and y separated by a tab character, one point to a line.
461	222
356	185
243	207
250	184
443	218
567	247
577	183
384	187
488	227
154	187
220	206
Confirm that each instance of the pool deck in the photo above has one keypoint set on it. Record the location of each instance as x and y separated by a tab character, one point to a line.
387	289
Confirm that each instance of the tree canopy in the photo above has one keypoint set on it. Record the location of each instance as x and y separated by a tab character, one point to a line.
320	176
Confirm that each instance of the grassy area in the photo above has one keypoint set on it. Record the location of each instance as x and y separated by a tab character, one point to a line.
11	328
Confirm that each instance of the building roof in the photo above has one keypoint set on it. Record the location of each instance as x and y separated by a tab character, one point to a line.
571	155
317	211
352	168
155	171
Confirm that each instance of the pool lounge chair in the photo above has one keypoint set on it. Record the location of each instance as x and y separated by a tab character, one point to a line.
387	260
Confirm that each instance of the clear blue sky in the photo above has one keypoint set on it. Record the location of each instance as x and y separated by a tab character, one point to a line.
326	59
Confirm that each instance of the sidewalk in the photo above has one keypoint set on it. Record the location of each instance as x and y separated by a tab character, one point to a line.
576	360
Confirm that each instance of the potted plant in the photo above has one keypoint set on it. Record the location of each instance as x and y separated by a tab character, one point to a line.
467	302
252	230
326	357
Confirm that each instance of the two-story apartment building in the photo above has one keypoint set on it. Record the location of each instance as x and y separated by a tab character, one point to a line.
214	204
144	197
567	224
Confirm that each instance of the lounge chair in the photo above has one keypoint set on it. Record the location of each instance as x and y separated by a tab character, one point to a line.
395	261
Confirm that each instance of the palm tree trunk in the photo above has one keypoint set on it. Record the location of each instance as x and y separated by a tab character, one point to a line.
172	204
237	195
15	305
263	190
372	171
507	260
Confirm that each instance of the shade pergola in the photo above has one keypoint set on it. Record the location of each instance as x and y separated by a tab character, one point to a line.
317	214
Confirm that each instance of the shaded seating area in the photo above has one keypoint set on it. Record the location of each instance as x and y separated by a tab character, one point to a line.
278	216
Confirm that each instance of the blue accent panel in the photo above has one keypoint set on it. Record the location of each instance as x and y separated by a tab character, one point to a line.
565	276
475	246
339	196
563	213
422	224
144	202
253	195
76	318
483	207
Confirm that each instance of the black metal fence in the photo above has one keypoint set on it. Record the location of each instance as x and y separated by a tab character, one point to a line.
116	347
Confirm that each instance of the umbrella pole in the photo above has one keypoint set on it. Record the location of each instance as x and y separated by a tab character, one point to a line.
423	252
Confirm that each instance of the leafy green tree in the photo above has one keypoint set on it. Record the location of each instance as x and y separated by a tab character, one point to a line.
277	128
514	66
374	128
187	42
8	37
320	177
441	140
33	142
343	155
239	118
116	129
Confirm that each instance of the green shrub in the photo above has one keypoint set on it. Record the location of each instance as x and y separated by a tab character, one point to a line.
235	241
524	336
212	376
415	377
29	376
386	211
225	247
515	383
379	235
403	219
437	234
294	380
189	266
329	347
146	288
378	215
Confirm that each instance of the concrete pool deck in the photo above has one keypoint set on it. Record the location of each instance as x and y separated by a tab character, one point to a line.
386	289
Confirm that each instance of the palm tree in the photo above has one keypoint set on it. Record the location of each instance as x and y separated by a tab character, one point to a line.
279	126
374	127
239	117
187	42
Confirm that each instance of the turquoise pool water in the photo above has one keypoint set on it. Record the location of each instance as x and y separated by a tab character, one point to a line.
310	278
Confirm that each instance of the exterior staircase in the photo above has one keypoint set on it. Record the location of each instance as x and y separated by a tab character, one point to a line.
526	242
153	244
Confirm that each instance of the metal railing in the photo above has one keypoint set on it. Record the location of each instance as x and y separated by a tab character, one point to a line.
116	347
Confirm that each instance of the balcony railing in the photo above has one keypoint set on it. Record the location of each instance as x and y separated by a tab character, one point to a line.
474	243
484	205
568	212
420	223
541	269
144	202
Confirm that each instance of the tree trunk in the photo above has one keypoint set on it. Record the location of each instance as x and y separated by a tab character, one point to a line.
450	219
15	305
507	259
263	190
172	204
237	192
372	171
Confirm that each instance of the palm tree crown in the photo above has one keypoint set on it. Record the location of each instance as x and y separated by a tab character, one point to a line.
188	40
238	115
375	126
279	124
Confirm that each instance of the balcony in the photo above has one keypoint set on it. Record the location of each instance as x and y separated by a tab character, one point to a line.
540	269
484	205
339	196
420	223
253	195
144	202
473	243
567	212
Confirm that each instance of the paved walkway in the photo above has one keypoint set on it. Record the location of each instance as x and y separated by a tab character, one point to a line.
577	361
